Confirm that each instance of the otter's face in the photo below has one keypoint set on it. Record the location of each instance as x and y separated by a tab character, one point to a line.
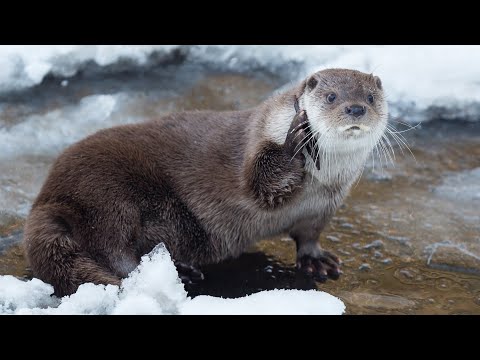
346	108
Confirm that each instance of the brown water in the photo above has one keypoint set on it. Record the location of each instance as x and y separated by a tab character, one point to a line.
409	236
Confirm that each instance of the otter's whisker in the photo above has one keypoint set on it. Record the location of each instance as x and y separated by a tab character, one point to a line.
316	153
399	140
398	143
321	145
382	150
389	144
401	136
302	144
405	124
372	153
295	129
386	151
358	180
379	157
402	131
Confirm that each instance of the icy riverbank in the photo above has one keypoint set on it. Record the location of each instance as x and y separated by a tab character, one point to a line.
423	82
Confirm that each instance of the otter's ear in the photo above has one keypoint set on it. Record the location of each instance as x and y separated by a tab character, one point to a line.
312	82
378	82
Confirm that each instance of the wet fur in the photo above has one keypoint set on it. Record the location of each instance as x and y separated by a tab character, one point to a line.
207	184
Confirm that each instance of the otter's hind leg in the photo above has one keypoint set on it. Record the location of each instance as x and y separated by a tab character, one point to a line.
55	258
174	225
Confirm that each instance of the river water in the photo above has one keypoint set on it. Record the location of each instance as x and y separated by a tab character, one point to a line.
408	234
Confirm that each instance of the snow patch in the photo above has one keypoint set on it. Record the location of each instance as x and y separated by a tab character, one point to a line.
270	302
155	288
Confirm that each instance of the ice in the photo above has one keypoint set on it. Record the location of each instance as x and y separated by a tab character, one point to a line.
422	81
462	186
51	132
155	288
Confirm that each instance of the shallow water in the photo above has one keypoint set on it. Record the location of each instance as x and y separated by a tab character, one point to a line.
408	235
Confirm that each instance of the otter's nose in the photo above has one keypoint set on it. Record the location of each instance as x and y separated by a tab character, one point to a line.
355	110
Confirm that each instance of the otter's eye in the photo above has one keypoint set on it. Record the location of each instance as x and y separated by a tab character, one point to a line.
331	97
370	98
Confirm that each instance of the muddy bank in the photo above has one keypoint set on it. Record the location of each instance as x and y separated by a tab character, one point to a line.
409	234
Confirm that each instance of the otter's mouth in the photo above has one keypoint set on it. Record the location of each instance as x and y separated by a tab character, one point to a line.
353	128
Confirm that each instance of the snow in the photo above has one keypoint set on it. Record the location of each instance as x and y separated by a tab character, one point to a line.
415	76
270	302
155	288
26	65
49	133
16	295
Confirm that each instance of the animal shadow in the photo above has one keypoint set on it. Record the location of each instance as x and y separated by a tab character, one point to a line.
248	274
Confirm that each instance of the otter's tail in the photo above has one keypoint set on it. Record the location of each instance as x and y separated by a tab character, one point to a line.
55	258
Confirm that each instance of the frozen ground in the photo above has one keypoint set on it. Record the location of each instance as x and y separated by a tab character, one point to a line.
154	288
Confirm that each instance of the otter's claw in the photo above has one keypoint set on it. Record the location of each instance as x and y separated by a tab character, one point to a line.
296	137
321	267
300	130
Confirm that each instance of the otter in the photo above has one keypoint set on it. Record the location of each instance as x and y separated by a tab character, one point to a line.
207	184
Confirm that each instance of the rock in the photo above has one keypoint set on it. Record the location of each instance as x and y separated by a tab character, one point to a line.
399	239
406	273
387	302
410	276
332	238
452	257
376	244
365	267
268	269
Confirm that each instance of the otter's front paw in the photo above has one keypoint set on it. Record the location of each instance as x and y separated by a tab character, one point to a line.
297	137
320	264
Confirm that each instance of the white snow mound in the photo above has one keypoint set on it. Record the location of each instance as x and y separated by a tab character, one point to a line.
155	288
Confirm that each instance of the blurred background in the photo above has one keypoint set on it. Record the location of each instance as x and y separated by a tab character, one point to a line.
409	233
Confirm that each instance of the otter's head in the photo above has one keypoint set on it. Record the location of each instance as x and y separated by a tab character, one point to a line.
346	109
